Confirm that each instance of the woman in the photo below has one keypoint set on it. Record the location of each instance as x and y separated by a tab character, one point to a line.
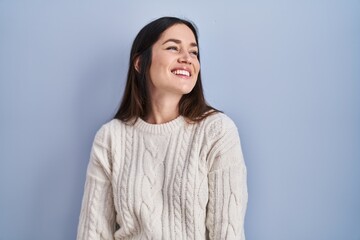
168	166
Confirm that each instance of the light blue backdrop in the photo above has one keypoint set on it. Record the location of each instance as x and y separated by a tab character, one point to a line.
287	72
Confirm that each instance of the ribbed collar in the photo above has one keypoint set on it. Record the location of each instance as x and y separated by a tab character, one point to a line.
160	128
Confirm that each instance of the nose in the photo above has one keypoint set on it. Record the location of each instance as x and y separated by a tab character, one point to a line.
185	58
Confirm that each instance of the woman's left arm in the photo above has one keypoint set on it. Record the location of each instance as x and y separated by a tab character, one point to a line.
97	216
227	180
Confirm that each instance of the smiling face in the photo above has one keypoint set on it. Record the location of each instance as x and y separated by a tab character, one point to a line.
174	65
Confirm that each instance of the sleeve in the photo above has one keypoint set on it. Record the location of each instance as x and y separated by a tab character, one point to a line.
227	183
97	216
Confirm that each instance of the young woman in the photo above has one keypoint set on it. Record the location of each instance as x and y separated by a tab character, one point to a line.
168	166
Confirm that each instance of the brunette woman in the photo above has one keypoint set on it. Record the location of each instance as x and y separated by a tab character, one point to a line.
168	166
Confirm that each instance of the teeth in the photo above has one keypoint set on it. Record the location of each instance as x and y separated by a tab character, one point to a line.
181	72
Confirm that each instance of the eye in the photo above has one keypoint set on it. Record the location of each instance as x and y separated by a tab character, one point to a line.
174	48
194	53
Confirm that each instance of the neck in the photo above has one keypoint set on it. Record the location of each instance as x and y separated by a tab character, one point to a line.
163	109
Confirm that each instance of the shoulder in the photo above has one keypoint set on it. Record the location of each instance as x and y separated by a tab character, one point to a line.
223	142
220	133
218	124
108	131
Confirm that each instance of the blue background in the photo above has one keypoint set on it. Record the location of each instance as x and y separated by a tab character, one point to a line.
287	72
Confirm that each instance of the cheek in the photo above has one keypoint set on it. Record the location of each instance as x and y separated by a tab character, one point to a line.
158	67
157	72
155	65
197	67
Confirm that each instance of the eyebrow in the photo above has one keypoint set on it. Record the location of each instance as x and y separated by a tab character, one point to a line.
178	42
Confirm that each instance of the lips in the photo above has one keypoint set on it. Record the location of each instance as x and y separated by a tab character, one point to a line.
181	72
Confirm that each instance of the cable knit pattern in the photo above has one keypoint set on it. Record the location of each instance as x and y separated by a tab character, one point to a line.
190	189
124	180
176	180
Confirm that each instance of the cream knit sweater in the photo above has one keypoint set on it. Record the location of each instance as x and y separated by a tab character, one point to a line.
175	180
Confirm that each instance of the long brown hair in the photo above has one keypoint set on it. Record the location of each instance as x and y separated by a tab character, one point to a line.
136	99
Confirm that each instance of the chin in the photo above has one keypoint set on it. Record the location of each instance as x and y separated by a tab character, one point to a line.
187	91
187	88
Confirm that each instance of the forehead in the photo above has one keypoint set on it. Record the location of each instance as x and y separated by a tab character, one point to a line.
180	32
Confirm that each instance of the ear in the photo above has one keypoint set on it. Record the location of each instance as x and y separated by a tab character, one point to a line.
137	64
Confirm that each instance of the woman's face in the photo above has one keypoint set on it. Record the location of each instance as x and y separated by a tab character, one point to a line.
174	65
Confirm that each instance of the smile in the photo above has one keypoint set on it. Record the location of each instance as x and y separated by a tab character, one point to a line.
181	72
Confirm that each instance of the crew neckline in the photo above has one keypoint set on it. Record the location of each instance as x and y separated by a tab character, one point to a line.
161	128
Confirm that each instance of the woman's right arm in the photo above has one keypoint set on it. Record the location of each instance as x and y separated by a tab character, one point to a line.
97	217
